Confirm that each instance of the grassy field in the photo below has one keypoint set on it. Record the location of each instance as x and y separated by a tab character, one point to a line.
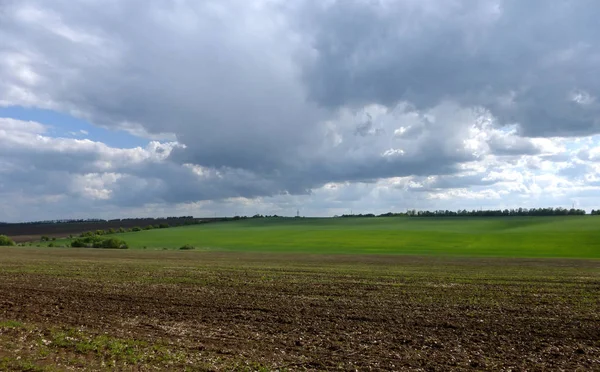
566	237
96	309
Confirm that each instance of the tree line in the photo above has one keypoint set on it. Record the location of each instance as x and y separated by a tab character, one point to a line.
482	213
499	212
173	220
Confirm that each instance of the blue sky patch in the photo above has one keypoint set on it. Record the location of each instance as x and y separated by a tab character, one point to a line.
64	125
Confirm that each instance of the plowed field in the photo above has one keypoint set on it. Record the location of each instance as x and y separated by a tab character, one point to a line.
83	309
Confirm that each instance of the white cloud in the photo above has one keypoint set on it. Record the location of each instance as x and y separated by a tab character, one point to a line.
12	127
94	185
582	97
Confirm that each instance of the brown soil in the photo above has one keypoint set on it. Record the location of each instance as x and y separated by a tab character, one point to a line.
27	232
234	311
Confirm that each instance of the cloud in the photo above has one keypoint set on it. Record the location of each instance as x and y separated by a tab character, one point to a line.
281	101
528	64
41	165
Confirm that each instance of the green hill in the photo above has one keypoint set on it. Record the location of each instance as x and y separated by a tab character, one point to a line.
570	236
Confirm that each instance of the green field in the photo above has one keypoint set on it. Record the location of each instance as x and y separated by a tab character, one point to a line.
567	237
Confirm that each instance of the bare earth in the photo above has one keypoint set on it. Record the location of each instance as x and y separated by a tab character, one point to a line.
140	310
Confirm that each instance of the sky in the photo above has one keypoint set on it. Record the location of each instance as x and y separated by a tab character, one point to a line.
113	108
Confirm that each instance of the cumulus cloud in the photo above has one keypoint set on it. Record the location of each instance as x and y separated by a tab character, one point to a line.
271	103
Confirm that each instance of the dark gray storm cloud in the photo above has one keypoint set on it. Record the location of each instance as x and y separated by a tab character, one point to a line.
534	63
512	145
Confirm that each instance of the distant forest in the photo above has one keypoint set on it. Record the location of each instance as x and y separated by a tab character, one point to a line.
484	213
99	220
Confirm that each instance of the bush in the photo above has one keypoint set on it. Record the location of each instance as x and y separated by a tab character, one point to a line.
44	238
110	231
149	227
114	243
137	228
5	241
121	230
98	242
187	247
51	245
78	243
163	226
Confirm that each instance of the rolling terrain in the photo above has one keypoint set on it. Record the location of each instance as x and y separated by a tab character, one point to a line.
562	237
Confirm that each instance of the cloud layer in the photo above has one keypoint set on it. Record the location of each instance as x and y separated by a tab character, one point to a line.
272	105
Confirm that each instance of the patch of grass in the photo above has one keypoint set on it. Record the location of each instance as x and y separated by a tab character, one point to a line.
12	364
11	324
104	346
38	348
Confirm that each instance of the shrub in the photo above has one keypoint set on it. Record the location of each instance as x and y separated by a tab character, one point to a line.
51	245
100	232
163	225
121	230
137	228
6	241
98	242
53	239
44	238
187	247
110	231
149	227
114	243
78	243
